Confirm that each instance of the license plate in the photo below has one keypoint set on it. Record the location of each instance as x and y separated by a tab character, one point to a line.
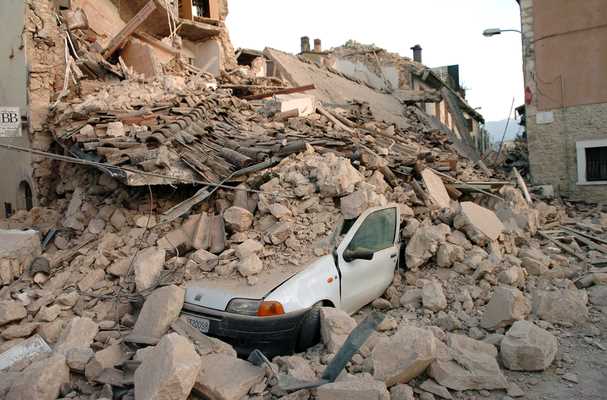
202	324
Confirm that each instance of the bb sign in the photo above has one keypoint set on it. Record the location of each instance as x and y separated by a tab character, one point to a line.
10	122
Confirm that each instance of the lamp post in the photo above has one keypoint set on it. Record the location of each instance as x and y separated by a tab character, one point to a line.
497	31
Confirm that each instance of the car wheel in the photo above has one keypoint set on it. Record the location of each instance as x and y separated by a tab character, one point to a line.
309	332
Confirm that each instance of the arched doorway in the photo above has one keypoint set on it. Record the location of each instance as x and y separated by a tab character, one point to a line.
25	200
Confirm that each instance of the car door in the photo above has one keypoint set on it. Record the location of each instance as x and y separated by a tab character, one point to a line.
362	281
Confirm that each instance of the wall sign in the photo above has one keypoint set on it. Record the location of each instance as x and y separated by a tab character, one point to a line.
10	122
544	117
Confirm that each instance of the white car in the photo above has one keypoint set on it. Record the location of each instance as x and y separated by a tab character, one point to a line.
282	312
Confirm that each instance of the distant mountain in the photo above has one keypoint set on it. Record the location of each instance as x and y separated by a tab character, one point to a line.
496	129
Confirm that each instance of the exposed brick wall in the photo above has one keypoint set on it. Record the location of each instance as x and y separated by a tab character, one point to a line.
552	147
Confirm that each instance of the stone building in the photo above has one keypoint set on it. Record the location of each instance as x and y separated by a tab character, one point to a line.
565	59
407	79
34	71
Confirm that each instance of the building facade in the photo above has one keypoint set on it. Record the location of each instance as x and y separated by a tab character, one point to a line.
565	67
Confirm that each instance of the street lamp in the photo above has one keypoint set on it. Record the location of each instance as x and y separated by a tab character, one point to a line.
497	31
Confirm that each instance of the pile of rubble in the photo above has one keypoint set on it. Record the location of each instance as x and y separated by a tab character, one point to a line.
188	182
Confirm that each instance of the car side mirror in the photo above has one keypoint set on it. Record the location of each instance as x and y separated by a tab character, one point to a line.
351	255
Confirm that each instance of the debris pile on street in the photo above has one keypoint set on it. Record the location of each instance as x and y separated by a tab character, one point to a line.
158	182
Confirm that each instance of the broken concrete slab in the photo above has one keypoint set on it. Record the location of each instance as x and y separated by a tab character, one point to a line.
527	347
147	266
470	365
159	311
168	372
335	89
404	356
305	104
214	383
78	333
335	327
41	380
506	306
436	188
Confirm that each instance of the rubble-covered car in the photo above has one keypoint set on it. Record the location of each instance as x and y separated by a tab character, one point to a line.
282	312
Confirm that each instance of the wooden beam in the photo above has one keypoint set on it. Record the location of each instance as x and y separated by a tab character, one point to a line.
121	38
282	91
522	185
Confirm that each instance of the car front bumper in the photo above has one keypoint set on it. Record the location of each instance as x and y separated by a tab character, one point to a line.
272	335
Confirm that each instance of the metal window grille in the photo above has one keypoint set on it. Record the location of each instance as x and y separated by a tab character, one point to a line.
596	164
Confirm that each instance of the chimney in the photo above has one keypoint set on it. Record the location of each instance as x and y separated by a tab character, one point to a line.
417	53
305	44
317	46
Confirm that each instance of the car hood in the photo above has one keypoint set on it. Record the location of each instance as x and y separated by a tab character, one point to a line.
216	294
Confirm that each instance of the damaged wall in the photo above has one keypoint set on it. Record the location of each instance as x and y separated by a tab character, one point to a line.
34	51
555	130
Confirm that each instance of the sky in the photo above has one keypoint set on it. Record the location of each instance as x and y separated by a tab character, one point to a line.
450	32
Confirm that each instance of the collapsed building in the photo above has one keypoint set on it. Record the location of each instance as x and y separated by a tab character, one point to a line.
146	176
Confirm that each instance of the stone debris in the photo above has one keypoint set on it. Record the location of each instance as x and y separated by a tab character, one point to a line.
78	333
506	306
41	380
424	244
564	306
470	365
215	382
11	311
404	356
159	311
479	223
335	326
527	347
147	266
102	297
357	388
431	386
168	371
433	297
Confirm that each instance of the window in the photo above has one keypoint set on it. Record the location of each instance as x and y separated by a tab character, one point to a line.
596	164
25	199
8	210
377	232
592	162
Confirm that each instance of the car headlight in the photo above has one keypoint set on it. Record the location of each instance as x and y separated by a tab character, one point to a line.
244	307
255	308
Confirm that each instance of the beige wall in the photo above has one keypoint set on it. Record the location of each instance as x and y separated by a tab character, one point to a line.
571	52
15	167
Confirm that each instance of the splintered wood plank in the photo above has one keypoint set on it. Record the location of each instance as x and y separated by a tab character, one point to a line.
120	39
